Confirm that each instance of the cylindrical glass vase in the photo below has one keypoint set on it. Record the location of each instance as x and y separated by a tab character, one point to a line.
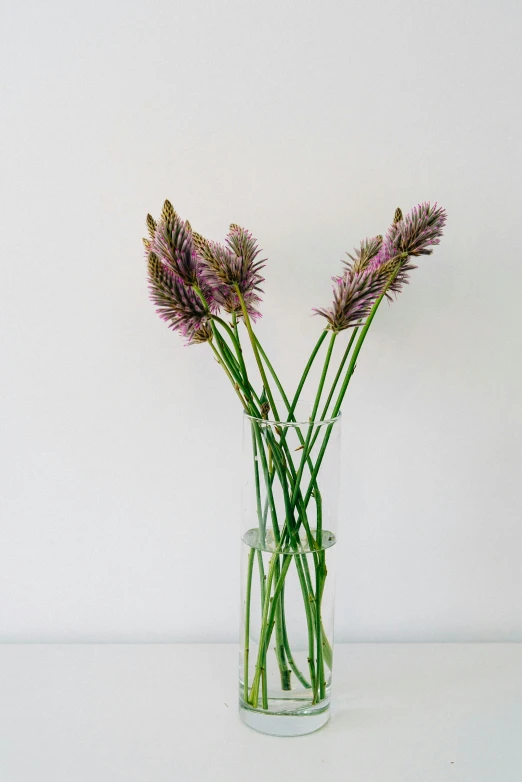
289	521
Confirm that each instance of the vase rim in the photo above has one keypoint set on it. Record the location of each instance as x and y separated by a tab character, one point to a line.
273	422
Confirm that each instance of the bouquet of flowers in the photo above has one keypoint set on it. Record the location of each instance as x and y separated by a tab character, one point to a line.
210	293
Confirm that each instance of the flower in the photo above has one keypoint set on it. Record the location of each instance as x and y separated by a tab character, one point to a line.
228	299
171	240
354	296
177	303
372	270
232	269
202	334
419	230
367	250
223	294
242	243
408	236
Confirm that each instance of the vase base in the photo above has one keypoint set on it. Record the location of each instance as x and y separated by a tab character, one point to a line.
284	724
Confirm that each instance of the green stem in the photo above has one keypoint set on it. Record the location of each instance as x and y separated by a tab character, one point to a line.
280	648
280	645
291	661
280	640
321	572
221	361
290	409
349	373
247	618
235	342
262	577
305	373
267	626
254	692
276	607
312	417
334	384
246	318
320	576
302	572
260	516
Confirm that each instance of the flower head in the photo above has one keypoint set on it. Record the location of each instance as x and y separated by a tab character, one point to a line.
367	250
413	235
382	265
202	334
171	240
176	302
232	269
355	294
419	231
228	299
244	246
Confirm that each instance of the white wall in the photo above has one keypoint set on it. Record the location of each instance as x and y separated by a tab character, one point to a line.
307	122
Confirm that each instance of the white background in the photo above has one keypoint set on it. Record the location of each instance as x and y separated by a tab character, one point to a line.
307	122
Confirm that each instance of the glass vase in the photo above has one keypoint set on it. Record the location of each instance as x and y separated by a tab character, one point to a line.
290	488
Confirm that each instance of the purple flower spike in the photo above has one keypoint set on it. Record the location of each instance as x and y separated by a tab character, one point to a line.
225	267
244	246
172	242
419	230
354	296
377	260
228	299
367	250
177	303
413	235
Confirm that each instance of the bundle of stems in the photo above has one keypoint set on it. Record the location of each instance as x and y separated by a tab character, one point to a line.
191	281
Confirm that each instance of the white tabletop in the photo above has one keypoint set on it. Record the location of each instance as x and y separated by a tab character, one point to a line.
152	713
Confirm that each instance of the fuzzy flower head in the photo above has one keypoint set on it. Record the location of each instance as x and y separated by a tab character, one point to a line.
171	240
408	237
381	265
228	299
214	276
367	250
177	303
232	268
420	230
354	295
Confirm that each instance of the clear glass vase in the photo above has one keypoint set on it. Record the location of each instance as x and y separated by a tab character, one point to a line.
289	520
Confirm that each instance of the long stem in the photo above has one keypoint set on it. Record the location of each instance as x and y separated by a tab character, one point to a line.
290	409
334	385
235	342
291	661
280	647
246	318
306	446
349	373
282	638
301	571
321	570
247	617
277	606
291	406
306	372
273	407
280	628
267	626
220	360
320	576
254	692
